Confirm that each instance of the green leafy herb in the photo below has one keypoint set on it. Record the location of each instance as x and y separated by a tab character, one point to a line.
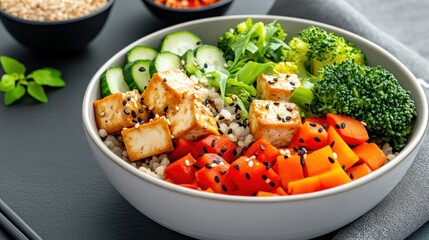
14	83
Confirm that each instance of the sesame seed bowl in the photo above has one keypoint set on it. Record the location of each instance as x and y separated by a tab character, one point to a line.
57	26
216	216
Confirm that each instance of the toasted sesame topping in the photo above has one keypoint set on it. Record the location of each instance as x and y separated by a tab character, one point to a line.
337	126
332	144
352	175
334	154
262	147
126	111
205	149
151	108
331	160
317	139
343	125
247	176
213	143
264	177
196	166
313	124
142	69
141	111
165	79
320	129
292	83
124	102
236	166
102	114
224	188
133	113
216	178
250	163
187	163
301	140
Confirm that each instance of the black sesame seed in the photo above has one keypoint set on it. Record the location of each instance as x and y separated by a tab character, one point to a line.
352	175
236	166
216	160
224	188
320	129
267	106
302	161
220	132
292	83
343	125
313	124
238	116
205	149
278	117
208	166
220	154
276	103
247	176
343	167
230	131
206	65
224	150
221	117
264	177
216	178
141	100
134	121
166	109
289	109
126	111
249	98
337	126
140	119
165	79
124	102
133	113
245	124
271	82
301	140
206	102
283	120
301	152
272	184
129	98
196	166
267	165
317	139
141	111
262	147
332	144
235	152
288	118
296	149
142	69
214	114
217	124
331	160
222	172
198	43
200	154
275	79
213	143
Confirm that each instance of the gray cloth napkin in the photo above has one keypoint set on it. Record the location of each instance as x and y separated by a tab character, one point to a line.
406	208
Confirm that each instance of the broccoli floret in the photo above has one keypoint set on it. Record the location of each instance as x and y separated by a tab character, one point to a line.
369	94
286	68
313	47
257	42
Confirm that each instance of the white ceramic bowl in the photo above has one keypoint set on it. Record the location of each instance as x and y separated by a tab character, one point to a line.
215	216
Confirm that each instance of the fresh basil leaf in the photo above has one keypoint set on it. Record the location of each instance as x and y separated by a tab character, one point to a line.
47	77
13	95
36	91
11	65
7	82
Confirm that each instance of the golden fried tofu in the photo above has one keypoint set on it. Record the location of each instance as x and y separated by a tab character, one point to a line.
166	90
275	121
148	139
118	111
191	119
277	87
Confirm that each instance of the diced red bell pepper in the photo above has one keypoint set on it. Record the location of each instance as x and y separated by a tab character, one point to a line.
210	159
182	148
220	145
215	178
182	170
252	176
263	151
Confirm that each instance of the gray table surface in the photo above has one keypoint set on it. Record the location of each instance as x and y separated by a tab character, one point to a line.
47	172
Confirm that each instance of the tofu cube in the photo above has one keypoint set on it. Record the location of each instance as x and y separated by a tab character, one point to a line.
118	111
148	139
275	121
277	87
191	119
165	90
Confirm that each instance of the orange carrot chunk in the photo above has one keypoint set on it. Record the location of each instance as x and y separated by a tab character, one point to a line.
280	191
370	154
319	161
289	169
263	151
305	185
321	121
333	178
215	178
345	155
310	135
352	131
358	171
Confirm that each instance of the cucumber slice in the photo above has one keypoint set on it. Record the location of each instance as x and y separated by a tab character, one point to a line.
137	74
190	63
180	42
112	81
141	53
167	61
209	58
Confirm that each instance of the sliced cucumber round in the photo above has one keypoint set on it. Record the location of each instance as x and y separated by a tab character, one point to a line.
180	42
112	81
141	53
167	61
137	74
209	58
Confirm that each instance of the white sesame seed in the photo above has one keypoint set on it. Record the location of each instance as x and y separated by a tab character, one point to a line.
137	125
282	152
151	108
334	154
213	165
252	157
267	180
250	163
102	114
177	108
187	163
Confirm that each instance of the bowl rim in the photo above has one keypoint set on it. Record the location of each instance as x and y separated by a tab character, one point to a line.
105	7
220	3
417	136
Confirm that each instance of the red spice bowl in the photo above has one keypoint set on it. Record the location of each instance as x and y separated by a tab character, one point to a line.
176	15
206	215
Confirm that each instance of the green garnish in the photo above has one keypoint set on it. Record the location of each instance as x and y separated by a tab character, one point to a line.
14	83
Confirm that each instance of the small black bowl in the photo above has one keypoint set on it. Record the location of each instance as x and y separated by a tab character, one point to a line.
177	15
57	36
